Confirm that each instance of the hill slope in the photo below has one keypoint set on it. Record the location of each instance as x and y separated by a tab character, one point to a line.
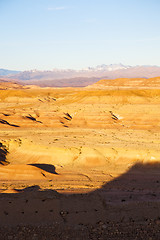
127	83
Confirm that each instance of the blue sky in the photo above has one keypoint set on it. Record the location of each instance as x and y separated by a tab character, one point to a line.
47	34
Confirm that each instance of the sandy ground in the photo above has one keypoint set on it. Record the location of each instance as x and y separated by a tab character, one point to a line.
85	157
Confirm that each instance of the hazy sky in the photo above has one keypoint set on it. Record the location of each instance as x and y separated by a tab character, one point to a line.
47	34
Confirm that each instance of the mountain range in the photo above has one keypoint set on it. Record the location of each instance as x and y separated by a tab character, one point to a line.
6	72
80	78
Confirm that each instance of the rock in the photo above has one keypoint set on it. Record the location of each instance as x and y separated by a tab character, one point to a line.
104	226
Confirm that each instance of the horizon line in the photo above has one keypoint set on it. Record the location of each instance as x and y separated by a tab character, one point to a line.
80	69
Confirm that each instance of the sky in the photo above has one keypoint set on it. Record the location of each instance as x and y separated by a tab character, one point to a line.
48	34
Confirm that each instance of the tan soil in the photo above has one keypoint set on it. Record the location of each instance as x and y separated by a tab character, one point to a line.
80	156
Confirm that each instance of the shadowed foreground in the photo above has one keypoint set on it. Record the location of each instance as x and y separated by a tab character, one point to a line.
133	199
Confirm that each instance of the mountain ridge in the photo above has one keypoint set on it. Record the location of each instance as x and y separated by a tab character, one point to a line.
6	72
84	77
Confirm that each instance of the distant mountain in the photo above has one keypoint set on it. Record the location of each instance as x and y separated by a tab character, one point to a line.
5	72
84	77
98	72
111	67
64	82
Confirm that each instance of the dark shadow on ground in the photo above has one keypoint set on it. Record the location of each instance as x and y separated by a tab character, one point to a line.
139	176
32	118
140	184
3	154
46	167
7	123
133	197
30	189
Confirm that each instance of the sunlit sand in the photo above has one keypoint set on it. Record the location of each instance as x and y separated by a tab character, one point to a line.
80	155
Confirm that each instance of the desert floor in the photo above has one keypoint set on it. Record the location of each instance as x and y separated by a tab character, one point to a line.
77	159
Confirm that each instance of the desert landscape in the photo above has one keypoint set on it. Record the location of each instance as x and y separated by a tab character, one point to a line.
79	120
80	163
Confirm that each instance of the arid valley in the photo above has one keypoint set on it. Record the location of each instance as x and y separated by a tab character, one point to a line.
81	157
